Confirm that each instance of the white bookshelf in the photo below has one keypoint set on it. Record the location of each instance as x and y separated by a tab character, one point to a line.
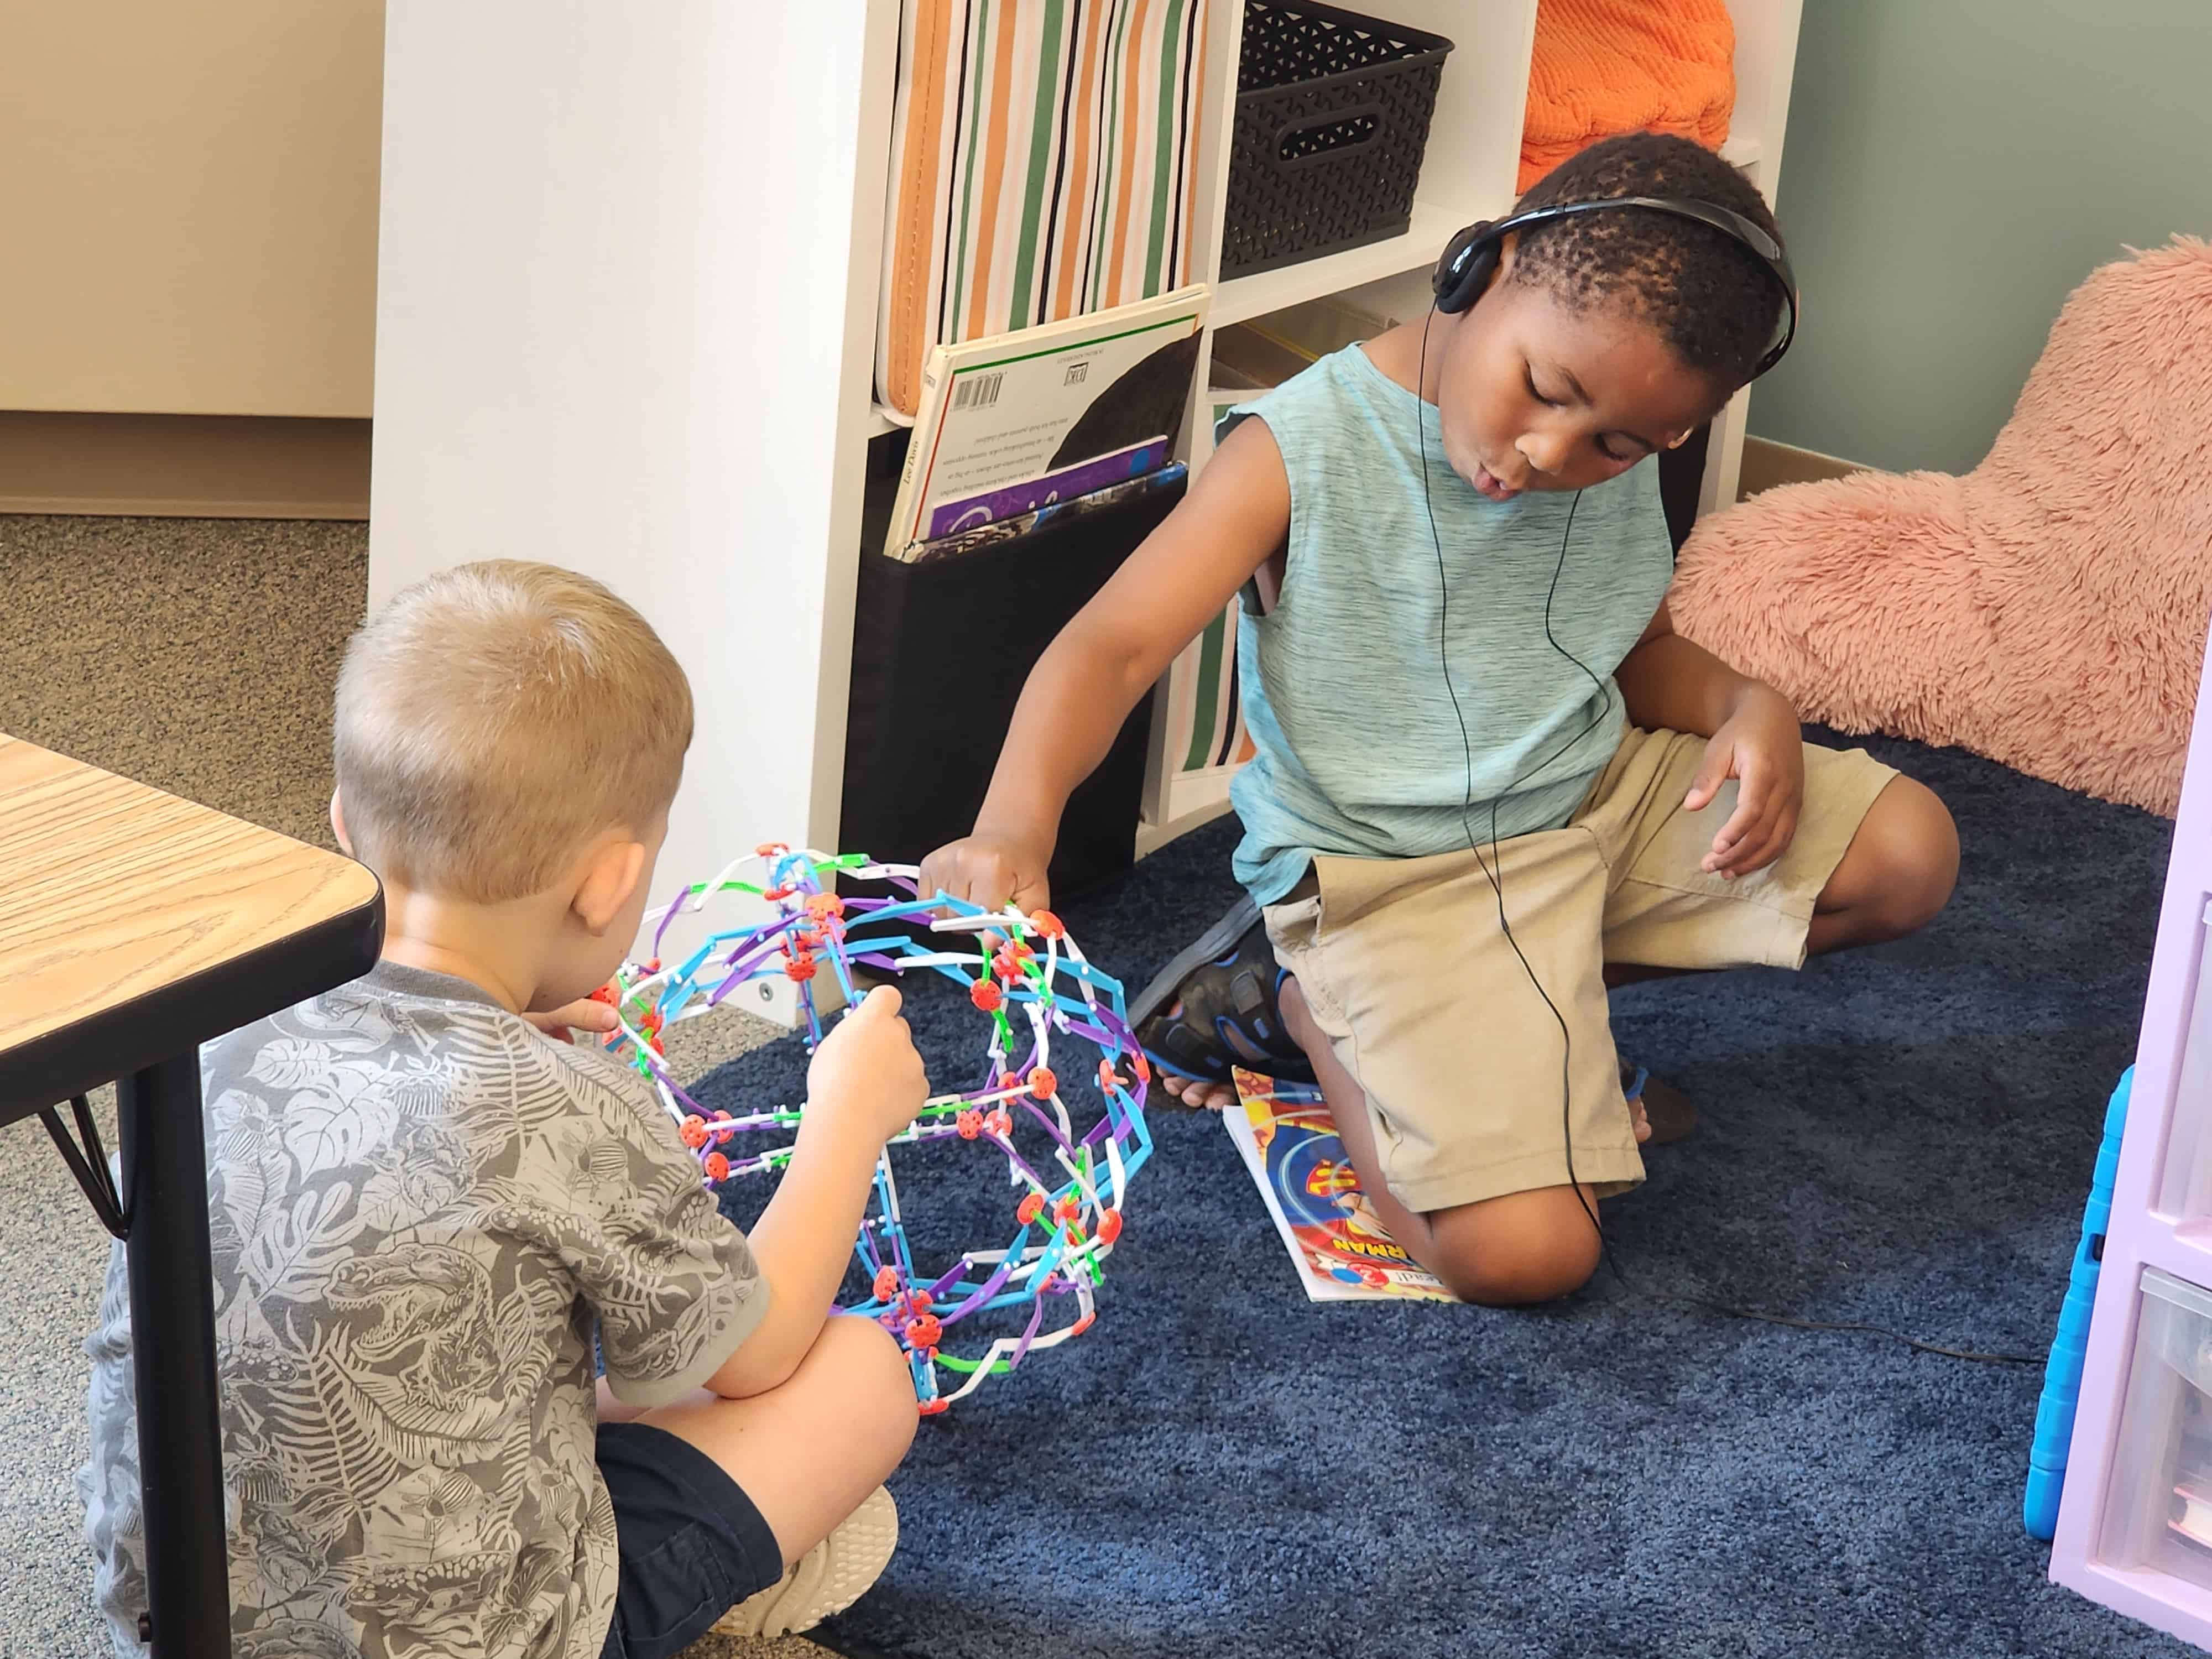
618	329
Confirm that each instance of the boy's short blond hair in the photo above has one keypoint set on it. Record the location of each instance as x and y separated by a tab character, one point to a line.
493	719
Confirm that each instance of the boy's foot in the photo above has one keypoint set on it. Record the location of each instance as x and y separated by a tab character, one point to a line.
1668	1113
829	1578
1214	1008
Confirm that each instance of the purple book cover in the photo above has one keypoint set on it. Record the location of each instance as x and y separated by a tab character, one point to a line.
1012	500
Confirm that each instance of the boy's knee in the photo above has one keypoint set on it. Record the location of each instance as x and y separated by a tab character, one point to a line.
1900	869
1521	1248
1919	855
868	1365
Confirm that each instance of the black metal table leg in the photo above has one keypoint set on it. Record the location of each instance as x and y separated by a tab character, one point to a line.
172	1345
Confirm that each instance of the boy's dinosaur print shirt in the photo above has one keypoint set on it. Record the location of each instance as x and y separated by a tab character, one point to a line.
423	1211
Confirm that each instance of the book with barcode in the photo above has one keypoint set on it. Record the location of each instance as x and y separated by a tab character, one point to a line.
1014	422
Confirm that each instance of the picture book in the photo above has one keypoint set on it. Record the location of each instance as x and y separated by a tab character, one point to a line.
996	530
1340	1250
1012	501
1010	422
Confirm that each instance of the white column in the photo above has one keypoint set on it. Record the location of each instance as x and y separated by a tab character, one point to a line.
628	271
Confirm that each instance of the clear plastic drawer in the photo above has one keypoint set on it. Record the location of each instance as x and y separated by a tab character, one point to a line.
2158	1508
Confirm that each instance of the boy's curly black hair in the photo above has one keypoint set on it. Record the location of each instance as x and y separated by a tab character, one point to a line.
1711	299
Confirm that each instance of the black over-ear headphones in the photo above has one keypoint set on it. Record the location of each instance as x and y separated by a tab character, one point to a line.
1473	254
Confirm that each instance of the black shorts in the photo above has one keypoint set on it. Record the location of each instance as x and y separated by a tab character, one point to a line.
692	1544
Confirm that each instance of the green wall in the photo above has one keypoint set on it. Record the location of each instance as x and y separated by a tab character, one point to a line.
1953	169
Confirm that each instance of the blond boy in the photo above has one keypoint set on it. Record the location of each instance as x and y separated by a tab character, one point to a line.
428	1215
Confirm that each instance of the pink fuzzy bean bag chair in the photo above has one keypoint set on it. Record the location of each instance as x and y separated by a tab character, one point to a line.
2048	610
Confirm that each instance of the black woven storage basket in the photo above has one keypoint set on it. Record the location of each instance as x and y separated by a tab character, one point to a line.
1333	112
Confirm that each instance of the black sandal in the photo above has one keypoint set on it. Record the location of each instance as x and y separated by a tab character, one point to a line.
1217	1007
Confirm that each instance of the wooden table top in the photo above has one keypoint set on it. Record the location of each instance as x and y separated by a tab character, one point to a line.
134	924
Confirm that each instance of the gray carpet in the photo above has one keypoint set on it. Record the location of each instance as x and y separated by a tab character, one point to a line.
197	655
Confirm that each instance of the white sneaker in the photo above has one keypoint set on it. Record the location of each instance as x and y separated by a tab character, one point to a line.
829	1578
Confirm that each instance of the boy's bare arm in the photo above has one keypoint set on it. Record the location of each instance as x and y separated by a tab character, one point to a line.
803	1242
1235	516
1671	685
865	1084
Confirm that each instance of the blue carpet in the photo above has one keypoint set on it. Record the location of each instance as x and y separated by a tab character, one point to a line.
1902	1136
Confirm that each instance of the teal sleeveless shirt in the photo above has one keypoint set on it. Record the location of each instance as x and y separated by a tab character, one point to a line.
1359	750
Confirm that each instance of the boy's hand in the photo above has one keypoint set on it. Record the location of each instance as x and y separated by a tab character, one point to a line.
867	1072
1760	746
989	870
581	1016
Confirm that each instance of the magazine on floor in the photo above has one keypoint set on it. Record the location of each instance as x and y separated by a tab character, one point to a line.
1342	1252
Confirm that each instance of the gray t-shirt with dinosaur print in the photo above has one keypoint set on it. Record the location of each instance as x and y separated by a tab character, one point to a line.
424	1210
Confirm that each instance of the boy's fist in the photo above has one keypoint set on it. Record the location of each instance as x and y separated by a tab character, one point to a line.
990	870
868	1074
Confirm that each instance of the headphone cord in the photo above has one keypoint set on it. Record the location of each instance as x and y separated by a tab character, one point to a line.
1496	877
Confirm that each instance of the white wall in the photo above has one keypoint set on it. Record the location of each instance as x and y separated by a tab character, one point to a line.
627	289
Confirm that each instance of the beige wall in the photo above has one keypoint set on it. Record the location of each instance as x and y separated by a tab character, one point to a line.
188	196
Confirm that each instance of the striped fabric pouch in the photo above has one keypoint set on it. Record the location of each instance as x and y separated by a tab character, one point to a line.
1205	726
1042	154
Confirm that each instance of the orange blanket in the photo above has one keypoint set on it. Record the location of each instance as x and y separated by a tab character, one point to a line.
1603	66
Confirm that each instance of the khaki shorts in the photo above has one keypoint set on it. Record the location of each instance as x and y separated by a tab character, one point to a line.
1405	967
